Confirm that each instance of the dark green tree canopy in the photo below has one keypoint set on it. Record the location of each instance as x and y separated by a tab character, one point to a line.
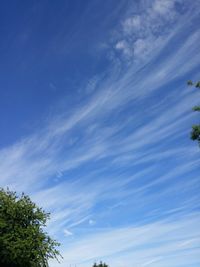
101	264
23	242
195	133
191	83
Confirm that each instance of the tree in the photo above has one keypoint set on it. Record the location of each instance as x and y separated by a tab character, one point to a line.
195	133
101	264
23	242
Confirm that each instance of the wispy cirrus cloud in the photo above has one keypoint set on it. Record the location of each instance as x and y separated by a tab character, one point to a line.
143	245
38	157
120	160
146	27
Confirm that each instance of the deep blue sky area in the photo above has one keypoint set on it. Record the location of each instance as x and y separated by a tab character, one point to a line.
47	49
95	121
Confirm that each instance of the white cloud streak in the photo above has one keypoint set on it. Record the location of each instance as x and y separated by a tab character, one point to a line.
117	157
144	244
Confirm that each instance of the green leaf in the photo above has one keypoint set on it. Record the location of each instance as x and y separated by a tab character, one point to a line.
23	242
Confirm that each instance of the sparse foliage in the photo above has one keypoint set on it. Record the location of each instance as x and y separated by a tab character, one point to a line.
101	264
195	133
23	242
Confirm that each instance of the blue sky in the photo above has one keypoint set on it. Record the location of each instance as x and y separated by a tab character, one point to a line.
95	125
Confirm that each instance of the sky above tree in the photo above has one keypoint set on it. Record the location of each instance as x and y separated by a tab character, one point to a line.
95	125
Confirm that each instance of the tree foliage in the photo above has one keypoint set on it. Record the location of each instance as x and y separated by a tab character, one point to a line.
101	264
23	241
195	133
